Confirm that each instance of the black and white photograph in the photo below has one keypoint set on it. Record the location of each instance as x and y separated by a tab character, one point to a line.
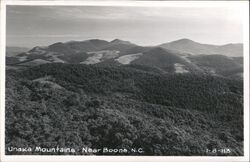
117	80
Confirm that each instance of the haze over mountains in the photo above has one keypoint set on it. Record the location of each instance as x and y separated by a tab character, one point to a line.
181	56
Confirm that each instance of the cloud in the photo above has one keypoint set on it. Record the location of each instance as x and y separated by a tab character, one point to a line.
112	13
44	36
34	24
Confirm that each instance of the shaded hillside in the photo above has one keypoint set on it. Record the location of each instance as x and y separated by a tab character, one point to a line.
165	59
238	60
78	46
219	64
138	49
119	45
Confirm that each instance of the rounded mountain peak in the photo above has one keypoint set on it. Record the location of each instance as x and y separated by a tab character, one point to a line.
184	40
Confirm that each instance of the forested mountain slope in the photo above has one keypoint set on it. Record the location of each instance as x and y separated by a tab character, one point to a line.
125	106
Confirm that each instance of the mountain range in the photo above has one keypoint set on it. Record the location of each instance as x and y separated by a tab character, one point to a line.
177	99
181	56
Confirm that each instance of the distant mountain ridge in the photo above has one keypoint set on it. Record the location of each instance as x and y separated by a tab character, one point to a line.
181	56
182	45
190	46
13	51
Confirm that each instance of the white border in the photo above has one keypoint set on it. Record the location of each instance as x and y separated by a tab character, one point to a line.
246	80
30	158
2	77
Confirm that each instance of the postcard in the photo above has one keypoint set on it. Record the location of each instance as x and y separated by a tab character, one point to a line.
124	81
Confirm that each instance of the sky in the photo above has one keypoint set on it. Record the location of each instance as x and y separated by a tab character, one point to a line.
29	26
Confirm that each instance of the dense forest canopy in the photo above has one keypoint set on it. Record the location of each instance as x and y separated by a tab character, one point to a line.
123	106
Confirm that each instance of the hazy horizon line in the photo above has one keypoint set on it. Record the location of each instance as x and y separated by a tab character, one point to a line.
109	40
